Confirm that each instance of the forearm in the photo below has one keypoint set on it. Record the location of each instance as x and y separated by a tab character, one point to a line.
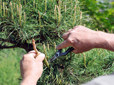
106	41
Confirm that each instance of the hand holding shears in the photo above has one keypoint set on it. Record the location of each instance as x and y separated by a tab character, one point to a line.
60	53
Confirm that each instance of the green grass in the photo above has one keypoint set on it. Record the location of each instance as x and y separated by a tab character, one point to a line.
9	66
97	62
81	68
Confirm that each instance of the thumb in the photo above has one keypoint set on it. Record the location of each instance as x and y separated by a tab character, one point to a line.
40	57
63	45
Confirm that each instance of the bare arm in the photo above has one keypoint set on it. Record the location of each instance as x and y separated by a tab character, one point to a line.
84	39
108	41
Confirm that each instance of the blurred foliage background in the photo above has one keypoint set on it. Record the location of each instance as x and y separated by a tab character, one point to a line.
46	21
101	12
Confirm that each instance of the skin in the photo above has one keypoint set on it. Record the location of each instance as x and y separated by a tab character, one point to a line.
80	38
84	39
31	68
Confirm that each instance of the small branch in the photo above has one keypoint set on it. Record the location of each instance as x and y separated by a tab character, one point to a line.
34	47
26	46
6	40
5	46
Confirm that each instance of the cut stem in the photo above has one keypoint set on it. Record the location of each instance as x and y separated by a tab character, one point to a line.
34	47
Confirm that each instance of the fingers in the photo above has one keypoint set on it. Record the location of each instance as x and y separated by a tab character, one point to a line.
63	45
29	55
76	51
66	35
40	57
31	51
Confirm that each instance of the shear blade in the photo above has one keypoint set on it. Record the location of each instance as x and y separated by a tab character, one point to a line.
54	57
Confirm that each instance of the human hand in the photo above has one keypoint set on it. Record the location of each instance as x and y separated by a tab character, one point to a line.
31	68
81	39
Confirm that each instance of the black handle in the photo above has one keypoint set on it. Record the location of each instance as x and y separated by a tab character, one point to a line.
67	51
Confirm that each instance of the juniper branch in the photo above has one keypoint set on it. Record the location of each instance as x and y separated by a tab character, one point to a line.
5	46
7	40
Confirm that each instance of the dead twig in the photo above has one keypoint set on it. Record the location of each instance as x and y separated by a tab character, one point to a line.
34	47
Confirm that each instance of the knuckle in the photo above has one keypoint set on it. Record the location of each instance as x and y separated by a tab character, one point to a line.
69	30
43	55
70	40
72	32
79	26
25	56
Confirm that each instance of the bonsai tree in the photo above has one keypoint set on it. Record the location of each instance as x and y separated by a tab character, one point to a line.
45	21
20	21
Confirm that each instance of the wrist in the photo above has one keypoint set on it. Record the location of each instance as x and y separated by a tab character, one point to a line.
101	41
28	81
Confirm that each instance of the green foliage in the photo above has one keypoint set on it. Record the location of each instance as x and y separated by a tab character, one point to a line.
101	13
9	66
22	20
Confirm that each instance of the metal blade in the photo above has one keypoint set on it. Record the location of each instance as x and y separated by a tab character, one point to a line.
52	59
55	56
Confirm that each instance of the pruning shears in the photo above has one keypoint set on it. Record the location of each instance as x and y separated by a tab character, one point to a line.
60	53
